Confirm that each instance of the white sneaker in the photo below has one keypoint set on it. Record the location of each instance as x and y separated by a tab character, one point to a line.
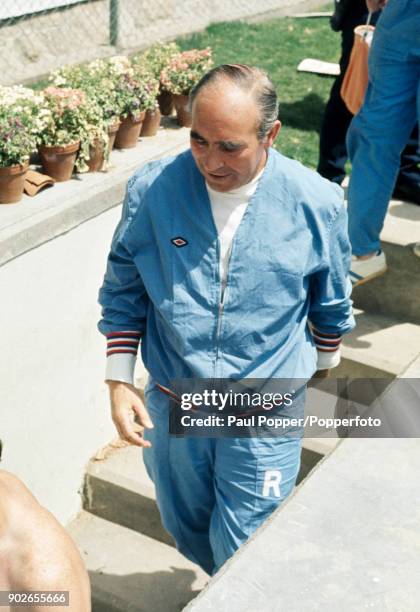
416	249
364	270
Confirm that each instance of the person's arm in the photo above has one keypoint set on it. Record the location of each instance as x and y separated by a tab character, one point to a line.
330	312
36	552
375	5
124	304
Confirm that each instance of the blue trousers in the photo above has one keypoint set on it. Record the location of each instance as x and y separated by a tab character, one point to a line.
380	130
213	493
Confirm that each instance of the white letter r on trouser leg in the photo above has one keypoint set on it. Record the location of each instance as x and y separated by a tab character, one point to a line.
272	480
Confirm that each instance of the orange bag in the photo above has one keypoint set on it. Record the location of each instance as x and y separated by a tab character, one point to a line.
353	88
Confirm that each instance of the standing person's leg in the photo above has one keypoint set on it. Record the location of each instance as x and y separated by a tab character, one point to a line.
253	476
407	186
336	120
375	140
182	471
416	248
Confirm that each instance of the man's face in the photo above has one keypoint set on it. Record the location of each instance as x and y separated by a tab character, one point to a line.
224	140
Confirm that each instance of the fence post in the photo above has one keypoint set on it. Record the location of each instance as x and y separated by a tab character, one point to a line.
113	22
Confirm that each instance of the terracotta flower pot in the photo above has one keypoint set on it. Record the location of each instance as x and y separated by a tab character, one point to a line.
96	156
129	132
183	116
112	132
151	123
166	103
58	162
12	179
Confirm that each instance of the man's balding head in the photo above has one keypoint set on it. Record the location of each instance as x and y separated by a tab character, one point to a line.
250	80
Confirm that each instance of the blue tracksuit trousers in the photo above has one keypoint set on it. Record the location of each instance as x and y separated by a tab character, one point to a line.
213	493
380	130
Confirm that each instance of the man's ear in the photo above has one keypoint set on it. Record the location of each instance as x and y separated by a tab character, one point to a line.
272	134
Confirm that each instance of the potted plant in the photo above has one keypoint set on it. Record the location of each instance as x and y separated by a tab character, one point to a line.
94	147
21	120
156	59
150	84
75	122
102	109
131	95
60	138
103	89
182	73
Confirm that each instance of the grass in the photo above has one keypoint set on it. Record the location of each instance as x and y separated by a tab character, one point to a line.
278	46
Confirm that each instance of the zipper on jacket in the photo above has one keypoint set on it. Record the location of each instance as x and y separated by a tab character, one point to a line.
219	327
222	294
220	310
222	299
219	324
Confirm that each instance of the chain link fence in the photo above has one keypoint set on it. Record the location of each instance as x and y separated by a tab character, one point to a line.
37	36
40	35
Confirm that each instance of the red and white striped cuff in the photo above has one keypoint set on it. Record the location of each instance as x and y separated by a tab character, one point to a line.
123	342
326	343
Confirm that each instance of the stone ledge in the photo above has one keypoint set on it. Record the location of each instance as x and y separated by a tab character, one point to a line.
57	210
346	540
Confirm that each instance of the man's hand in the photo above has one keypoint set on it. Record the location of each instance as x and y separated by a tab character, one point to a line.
375	5
126	405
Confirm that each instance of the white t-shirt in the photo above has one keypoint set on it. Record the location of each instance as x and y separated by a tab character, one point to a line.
228	208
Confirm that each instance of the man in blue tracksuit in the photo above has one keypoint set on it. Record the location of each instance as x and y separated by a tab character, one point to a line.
223	256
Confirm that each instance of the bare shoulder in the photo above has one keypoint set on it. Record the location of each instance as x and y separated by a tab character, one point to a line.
16	499
25	517
12	486
30	527
32	538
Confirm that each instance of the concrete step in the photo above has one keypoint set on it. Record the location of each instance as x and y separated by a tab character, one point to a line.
313	451
396	293
118	489
379	347
131	572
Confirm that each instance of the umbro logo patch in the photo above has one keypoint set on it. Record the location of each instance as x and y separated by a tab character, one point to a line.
179	242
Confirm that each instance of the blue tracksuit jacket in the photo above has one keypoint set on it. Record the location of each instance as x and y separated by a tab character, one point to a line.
288	265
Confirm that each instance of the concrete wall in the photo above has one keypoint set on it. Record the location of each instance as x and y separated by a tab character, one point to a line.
54	410
34	45
16	8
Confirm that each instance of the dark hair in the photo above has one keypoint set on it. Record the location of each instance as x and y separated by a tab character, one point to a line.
250	79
